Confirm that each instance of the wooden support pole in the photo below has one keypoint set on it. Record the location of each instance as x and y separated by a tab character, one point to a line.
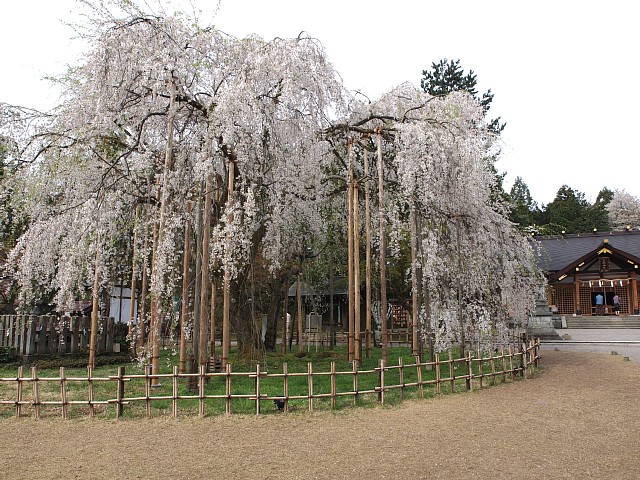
414	280
350	287
185	290
285	317
367	221
95	307
357	354
212	318
134	274
142	317
226	288
299	310
383	248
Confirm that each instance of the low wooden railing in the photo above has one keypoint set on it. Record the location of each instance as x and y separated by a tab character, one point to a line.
450	373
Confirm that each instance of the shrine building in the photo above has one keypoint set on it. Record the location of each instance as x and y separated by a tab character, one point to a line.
581	266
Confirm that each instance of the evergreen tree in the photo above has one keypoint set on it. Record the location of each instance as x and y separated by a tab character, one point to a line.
574	214
524	209
447	76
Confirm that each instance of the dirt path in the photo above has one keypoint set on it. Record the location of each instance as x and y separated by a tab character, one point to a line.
579	419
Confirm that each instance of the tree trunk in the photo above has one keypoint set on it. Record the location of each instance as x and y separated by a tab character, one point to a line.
205	282
273	313
156	309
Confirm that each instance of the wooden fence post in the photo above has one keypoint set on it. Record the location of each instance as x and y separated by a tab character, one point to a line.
83	327
511	369
438	391
401	375
19	393
90	381
333	385
228	388
11	328
73	331
201	384
120	392
310	384
21	336
30	344
36	391
354	371
452	372
504	366
419	372
148	370
381	382
63	394
469	379
480	369
174	390
285	386
258	389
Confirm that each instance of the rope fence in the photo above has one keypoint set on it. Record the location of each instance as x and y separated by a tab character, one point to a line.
170	391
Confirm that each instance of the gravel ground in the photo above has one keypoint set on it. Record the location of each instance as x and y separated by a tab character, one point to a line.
578	418
625	342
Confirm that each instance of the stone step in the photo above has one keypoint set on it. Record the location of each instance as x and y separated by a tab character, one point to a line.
608	322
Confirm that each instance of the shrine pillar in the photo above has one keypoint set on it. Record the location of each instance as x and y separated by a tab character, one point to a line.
576	283
633	299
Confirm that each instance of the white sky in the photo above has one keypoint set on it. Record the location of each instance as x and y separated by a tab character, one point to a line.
564	72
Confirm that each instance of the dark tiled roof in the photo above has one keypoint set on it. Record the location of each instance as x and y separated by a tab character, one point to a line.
558	251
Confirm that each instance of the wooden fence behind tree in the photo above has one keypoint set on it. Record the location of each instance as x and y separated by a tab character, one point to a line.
446	374
33	335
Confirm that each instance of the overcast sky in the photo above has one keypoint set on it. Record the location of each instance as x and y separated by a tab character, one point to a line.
564	73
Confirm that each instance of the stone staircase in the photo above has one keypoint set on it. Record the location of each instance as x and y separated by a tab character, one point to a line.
609	321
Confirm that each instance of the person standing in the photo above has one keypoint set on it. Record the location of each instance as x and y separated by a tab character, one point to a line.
616	304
